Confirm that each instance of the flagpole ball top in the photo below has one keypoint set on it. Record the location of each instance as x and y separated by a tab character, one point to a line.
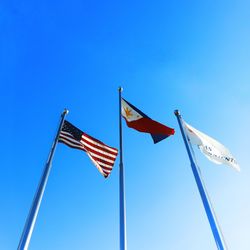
65	111
120	89
177	112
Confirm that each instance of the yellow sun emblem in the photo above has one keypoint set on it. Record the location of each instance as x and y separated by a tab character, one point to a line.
128	112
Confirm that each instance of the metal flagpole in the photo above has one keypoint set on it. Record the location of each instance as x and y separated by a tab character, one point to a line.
31	219
123	239
205	199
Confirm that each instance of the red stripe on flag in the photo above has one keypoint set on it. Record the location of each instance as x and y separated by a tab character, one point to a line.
98	154
102	147
103	160
150	126
108	148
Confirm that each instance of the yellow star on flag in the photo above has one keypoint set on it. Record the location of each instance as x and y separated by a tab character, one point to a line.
128	112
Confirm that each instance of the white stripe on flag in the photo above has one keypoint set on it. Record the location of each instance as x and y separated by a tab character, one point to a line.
98	150
98	144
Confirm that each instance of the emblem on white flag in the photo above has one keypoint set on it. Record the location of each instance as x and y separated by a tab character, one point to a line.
212	149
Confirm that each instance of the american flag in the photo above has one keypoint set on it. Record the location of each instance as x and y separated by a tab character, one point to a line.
101	155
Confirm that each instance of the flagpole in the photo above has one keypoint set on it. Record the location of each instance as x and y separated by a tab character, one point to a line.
31	219
123	239
205	199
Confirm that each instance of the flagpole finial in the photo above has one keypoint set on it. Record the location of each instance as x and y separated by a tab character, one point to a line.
65	111
120	89
177	112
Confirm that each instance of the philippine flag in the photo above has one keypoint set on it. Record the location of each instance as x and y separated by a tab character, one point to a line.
139	121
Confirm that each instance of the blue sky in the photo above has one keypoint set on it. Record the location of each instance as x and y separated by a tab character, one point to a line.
193	56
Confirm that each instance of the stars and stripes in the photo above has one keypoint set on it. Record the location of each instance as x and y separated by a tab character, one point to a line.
102	156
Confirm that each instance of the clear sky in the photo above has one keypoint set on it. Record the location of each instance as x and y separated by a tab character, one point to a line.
191	55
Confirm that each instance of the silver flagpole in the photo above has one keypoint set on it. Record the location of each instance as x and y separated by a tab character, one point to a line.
122	202
31	219
218	236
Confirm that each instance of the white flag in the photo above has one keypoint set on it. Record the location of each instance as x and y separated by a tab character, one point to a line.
211	148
